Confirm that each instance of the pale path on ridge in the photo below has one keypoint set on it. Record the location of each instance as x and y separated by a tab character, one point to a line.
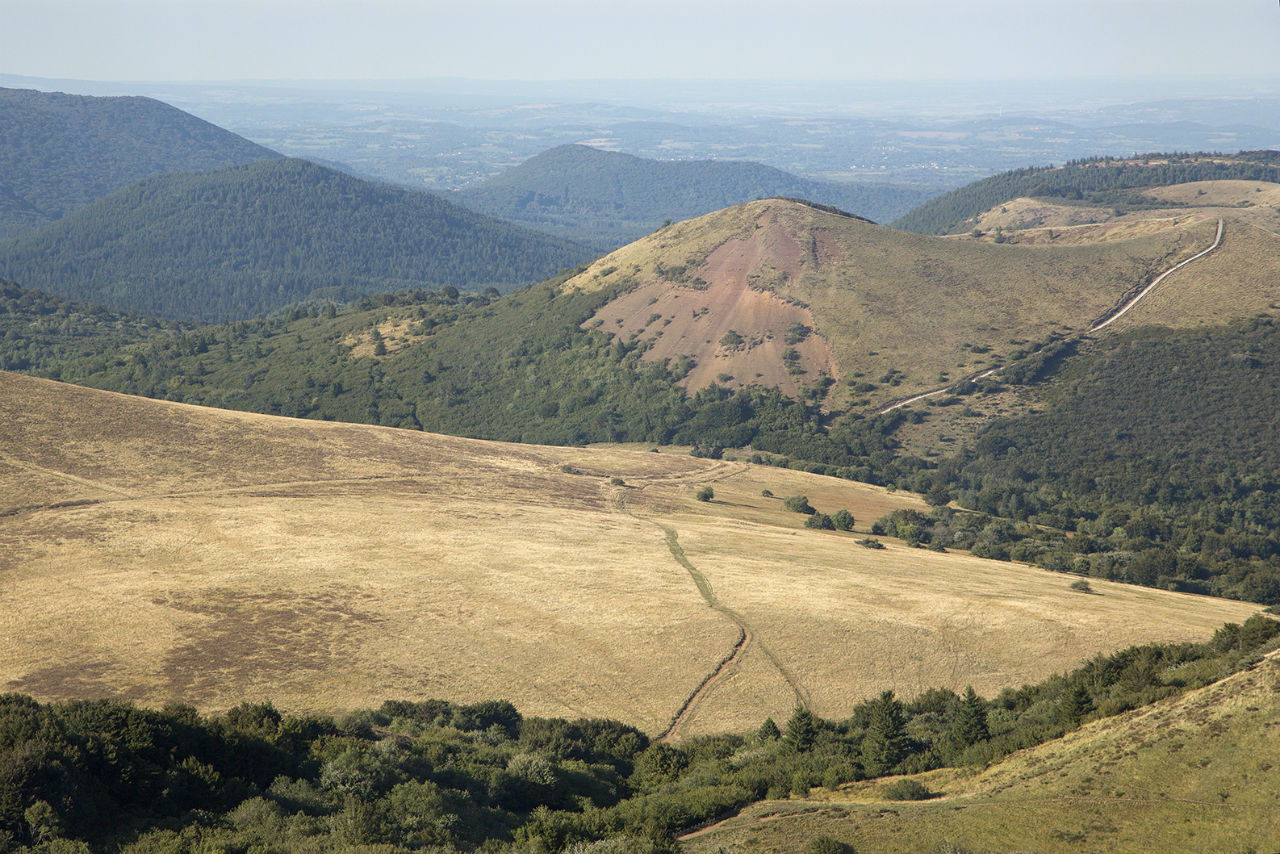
1217	241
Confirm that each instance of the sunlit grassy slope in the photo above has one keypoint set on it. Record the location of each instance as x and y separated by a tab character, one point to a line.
1195	773
162	552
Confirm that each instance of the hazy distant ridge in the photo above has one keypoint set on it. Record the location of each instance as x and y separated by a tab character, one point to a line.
609	198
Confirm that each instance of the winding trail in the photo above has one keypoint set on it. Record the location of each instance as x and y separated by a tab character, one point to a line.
894	404
1217	241
748	637
1100	325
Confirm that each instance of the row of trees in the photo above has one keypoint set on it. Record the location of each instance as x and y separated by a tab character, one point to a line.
433	775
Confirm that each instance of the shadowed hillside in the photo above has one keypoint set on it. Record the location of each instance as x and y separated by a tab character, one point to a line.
244	241
60	152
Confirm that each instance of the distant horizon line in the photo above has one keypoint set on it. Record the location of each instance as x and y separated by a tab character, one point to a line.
1272	79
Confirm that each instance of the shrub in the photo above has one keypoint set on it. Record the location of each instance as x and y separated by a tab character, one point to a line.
870	543
1081	585
617	481
827	845
705	493
906	790
799	504
843	520
766	493
821	521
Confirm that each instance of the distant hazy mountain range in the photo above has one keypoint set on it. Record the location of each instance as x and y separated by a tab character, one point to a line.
608	199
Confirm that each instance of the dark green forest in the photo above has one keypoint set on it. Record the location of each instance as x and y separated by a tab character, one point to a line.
243	241
1158	449
608	199
61	152
103	775
1101	180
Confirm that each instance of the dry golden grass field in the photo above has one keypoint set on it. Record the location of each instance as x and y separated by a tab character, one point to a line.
1194	773
160	552
1040	221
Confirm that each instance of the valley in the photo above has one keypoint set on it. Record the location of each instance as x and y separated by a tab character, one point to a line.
338	515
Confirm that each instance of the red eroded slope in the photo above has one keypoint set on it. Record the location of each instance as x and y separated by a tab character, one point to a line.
725	319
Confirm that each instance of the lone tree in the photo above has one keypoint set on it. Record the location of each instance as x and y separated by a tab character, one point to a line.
802	731
970	724
799	504
706	493
885	742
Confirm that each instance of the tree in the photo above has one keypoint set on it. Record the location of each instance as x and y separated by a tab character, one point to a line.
970	724
1076	704
768	731
802	730
885	742
799	504
706	493
821	521
843	520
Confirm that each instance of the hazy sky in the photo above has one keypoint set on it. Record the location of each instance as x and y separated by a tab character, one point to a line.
567	39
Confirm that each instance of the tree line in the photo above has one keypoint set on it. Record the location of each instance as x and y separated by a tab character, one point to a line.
104	775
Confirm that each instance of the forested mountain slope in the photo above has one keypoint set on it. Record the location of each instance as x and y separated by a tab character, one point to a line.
242	241
609	198
60	152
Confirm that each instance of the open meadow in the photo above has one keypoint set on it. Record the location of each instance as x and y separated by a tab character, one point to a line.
160	552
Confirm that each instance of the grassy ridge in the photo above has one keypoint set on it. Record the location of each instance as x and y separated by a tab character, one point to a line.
1088	181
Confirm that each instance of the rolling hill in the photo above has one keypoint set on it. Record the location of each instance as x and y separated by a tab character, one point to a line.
609	198
880	313
180	554
60	152
1195	773
242	241
780	329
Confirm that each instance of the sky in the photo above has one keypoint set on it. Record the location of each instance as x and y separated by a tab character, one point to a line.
179	40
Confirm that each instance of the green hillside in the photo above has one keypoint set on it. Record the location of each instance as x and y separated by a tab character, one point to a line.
60	152
1099	181
608	198
434	775
249	239
39	331
1173	483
